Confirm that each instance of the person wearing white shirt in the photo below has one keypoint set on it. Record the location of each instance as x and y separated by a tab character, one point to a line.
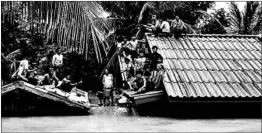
108	86
57	60
165	27
21	72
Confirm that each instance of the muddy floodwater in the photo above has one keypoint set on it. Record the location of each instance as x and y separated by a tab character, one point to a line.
122	119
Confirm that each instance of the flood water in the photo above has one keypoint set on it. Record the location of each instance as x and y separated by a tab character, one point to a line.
118	119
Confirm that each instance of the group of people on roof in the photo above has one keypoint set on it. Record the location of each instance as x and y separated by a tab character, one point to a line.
49	77
143	69
157	26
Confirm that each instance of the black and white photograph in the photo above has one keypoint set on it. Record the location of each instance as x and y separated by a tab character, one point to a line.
131	66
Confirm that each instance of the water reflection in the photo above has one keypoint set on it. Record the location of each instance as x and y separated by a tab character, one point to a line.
123	119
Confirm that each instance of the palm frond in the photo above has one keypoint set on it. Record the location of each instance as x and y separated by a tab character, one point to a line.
146	8
235	16
214	18
249	15
68	23
256	22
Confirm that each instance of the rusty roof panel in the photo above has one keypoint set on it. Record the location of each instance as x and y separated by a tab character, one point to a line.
211	66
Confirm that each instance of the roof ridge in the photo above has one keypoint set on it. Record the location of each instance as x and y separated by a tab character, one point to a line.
223	35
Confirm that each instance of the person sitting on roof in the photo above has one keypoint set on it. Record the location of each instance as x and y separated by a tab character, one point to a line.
143	49
155	24
165	27
139	62
31	76
129	70
157	77
48	78
124	50
155	58
177	26
138	83
21	72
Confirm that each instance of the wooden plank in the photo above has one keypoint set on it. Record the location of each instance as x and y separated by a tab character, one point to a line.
147	97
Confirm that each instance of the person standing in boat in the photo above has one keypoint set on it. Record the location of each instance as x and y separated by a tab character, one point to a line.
108	86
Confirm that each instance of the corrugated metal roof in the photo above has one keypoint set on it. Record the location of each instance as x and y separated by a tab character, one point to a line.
211	66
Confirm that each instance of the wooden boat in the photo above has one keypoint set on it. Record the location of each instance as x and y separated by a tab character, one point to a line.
143	98
20	93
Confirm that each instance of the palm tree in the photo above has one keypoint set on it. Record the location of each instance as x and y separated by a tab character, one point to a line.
73	25
247	22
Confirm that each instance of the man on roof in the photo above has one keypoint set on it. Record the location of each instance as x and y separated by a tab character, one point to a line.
154	26
155	58
21	72
177	26
57	60
133	47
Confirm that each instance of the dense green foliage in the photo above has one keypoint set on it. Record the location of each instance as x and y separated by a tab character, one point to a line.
215	23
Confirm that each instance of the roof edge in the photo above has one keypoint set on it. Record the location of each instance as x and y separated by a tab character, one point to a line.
221	35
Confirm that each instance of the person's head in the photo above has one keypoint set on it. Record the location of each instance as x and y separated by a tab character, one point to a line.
160	67
160	20
154	48
106	71
51	69
68	76
125	40
141	54
133	38
154	17
139	74
127	60
177	18
58	51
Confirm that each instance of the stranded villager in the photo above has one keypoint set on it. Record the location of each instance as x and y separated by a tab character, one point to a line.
155	59
138	83
57	60
165	27
108	86
21	72
177	26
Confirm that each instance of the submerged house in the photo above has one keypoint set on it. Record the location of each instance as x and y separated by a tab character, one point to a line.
21	98
206	68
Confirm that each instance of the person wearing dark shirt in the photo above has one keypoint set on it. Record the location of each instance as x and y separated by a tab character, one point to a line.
155	58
